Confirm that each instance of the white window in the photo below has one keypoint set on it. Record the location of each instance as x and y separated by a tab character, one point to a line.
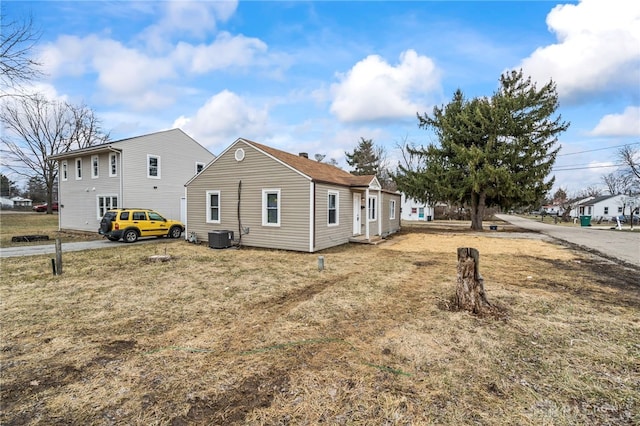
106	202
619	209
113	164
153	166
606	210
271	207
95	167
213	206
373	207
392	209
333	208
78	168
199	167
65	170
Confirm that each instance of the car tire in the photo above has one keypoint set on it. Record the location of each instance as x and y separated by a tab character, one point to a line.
175	232
130	236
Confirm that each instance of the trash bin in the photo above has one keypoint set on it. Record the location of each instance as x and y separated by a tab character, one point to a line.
585	220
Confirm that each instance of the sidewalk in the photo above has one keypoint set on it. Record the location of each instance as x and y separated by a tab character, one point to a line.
616	244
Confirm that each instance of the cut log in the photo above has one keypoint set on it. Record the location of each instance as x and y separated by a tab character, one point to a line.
470	293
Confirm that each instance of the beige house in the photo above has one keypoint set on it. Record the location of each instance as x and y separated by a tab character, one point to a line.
270	198
146	171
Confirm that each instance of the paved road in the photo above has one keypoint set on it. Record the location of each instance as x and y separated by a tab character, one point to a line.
35	250
614	244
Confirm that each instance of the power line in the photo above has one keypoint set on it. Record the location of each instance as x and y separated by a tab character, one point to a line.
566	169
598	149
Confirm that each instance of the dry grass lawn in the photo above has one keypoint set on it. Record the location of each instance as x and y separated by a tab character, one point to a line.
262	337
13	224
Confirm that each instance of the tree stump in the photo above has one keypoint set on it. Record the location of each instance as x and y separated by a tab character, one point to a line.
470	293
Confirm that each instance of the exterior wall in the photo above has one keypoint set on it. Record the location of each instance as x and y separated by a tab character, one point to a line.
332	235
256	171
178	155
78	198
389	225
408	207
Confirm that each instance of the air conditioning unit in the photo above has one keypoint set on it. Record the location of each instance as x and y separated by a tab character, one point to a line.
220	239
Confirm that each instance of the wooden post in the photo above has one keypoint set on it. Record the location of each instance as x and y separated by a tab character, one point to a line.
470	293
58	256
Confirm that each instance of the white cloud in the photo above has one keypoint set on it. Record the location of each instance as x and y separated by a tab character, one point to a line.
226	51
625	124
224	118
187	18
375	90
597	49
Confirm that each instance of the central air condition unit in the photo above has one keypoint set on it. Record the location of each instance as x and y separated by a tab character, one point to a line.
220	239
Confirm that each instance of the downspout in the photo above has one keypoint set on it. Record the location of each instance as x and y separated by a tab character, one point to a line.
366	211
380	210
239	220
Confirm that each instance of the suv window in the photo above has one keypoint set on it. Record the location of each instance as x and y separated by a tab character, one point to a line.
139	216
124	216
155	216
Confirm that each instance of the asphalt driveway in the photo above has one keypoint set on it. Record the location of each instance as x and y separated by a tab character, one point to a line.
624	246
35	250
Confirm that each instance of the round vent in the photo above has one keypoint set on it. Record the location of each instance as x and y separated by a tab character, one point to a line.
239	154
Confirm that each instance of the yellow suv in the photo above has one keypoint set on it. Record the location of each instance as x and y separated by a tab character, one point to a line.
130	224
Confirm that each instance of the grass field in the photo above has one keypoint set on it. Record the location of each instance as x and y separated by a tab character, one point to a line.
31	223
262	337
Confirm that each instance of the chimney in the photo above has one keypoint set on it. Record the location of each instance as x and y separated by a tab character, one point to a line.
304	154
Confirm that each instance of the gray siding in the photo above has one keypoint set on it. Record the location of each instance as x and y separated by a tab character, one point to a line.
332	235
389	226
178	153
256	171
78	199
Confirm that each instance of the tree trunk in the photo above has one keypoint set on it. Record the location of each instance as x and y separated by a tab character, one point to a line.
470	293
477	210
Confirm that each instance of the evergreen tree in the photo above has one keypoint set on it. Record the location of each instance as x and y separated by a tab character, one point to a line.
7	187
365	158
491	151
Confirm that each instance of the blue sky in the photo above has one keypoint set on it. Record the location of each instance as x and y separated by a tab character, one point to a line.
317	76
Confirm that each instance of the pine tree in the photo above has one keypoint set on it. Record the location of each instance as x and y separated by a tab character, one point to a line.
365	158
491	151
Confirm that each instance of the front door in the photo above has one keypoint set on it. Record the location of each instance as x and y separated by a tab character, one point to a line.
356	214
421	213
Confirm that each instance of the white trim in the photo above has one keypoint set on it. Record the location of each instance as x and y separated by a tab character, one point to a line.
113	161
337	207
372	208
95	167
201	164
78	170
239	154
149	157
265	193
312	222
110	203
208	217
64	170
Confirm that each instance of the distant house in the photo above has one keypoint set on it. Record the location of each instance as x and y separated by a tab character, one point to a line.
274	199
15	202
606	207
146	171
413	210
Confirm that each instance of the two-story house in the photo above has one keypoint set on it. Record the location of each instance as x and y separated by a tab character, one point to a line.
146	171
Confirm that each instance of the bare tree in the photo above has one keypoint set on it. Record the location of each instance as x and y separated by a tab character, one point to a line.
36	128
630	157
17	40
617	183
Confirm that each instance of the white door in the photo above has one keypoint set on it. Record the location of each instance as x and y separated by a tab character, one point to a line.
356	214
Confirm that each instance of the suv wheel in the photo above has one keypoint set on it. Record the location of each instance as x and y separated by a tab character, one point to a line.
130	236
175	232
